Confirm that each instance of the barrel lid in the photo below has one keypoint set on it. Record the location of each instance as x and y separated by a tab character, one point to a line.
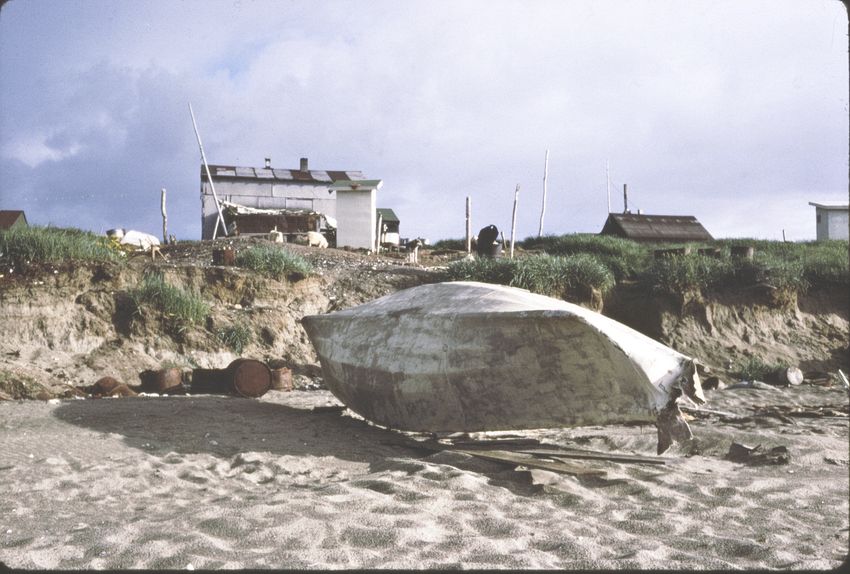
250	378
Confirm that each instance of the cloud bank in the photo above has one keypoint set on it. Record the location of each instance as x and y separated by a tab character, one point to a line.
733	112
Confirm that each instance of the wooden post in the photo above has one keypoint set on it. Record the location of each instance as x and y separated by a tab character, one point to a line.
378	235
468	225
164	219
625	199
543	208
209	178
513	221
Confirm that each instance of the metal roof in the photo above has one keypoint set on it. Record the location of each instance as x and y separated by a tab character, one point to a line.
831	205
319	177
362	183
640	227
387	215
10	217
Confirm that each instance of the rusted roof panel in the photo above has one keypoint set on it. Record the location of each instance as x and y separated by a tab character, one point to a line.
250	173
321	176
284	174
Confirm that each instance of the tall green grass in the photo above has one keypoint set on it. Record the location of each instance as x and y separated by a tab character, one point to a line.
184	306
625	258
23	246
274	262
543	274
785	265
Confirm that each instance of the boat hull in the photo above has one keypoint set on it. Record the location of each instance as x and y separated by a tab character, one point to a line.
468	356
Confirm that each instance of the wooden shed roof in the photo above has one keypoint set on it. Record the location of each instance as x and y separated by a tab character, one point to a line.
640	227
10	217
388	215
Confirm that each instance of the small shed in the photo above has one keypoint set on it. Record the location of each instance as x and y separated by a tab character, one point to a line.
389	226
356	213
655	228
10	219
832	220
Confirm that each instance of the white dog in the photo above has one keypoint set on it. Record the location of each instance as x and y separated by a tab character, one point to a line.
316	239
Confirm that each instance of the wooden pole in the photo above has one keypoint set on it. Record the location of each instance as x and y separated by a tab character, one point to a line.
378	236
209	177
543	208
625	199
164	218
468	225
513	221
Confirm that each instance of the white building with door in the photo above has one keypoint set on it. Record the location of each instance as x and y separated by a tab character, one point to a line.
832	220
344	198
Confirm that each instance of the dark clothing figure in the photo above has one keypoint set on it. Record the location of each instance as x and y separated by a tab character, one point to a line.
487	245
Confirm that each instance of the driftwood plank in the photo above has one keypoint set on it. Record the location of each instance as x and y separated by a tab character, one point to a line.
516	459
593	455
487	443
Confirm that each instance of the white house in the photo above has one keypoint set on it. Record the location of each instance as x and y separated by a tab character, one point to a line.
298	197
832	220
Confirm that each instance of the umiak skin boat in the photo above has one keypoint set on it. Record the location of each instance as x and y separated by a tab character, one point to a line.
467	356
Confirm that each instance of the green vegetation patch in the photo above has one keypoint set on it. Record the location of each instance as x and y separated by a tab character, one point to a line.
625	258
274	262
235	337
543	274
755	369
24	246
184	306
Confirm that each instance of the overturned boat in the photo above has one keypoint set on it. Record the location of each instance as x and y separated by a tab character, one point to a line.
467	356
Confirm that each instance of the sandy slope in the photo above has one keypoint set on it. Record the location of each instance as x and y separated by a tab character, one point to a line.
217	482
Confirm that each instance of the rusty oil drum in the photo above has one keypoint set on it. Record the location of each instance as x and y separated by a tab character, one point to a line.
243	377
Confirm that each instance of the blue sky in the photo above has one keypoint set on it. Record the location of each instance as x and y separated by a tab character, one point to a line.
735	112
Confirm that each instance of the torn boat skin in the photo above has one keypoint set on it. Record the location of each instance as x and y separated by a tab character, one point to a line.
670	423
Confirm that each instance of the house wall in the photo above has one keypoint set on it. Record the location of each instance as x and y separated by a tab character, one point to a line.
832	224
356	218
264	195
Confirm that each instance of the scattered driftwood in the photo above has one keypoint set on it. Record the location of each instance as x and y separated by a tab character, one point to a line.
530	461
756	455
594	455
490	443
803	411
533	454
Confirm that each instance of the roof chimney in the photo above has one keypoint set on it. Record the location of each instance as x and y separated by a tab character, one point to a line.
268	163
625	199
303	164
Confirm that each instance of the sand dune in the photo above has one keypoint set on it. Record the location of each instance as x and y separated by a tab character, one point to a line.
218	482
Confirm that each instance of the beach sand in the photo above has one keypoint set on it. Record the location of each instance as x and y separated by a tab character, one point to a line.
209	482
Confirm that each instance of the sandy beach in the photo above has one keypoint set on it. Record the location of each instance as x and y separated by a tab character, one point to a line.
212	482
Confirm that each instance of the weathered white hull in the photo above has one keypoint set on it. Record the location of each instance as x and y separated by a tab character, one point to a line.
465	356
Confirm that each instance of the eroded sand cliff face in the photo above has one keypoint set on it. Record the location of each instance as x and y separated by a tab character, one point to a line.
67	326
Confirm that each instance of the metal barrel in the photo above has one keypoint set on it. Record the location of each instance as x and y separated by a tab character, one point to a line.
226	256
249	377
